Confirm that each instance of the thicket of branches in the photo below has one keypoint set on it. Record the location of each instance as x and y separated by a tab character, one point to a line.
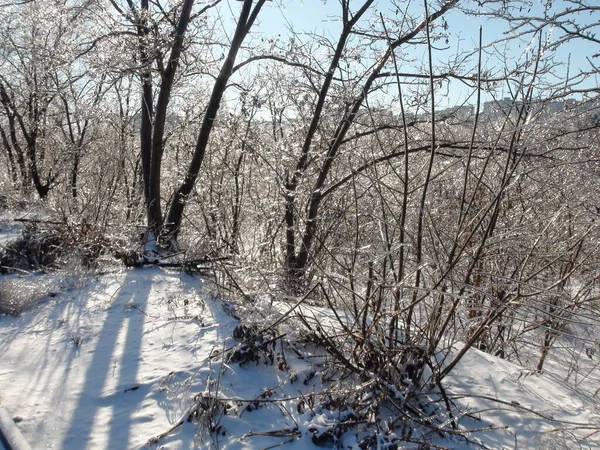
324	164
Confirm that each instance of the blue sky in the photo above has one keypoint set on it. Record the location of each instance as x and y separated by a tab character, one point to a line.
322	17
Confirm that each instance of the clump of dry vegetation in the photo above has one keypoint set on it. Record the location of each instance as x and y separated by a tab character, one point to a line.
18	295
48	244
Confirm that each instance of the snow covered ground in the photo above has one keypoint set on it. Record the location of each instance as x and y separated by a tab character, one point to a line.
87	369
113	360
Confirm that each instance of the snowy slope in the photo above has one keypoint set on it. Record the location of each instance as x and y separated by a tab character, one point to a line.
501	394
87	369
118	360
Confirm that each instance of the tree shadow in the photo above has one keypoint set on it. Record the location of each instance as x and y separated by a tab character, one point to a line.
106	364
36	354
111	377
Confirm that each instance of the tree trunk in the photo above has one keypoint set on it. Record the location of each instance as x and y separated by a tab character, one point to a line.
12	167
12	130
173	223
160	117
41	187
74	173
300	258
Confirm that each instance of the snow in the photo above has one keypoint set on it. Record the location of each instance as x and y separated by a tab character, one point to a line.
117	359
480	377
70	367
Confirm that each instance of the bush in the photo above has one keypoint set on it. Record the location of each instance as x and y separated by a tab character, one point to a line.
48	244
18	295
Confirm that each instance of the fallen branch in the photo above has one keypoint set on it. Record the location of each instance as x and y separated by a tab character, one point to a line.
195	265
203	260
285	432
193	409
46	222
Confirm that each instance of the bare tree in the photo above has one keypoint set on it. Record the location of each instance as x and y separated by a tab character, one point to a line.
246	19
153	116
